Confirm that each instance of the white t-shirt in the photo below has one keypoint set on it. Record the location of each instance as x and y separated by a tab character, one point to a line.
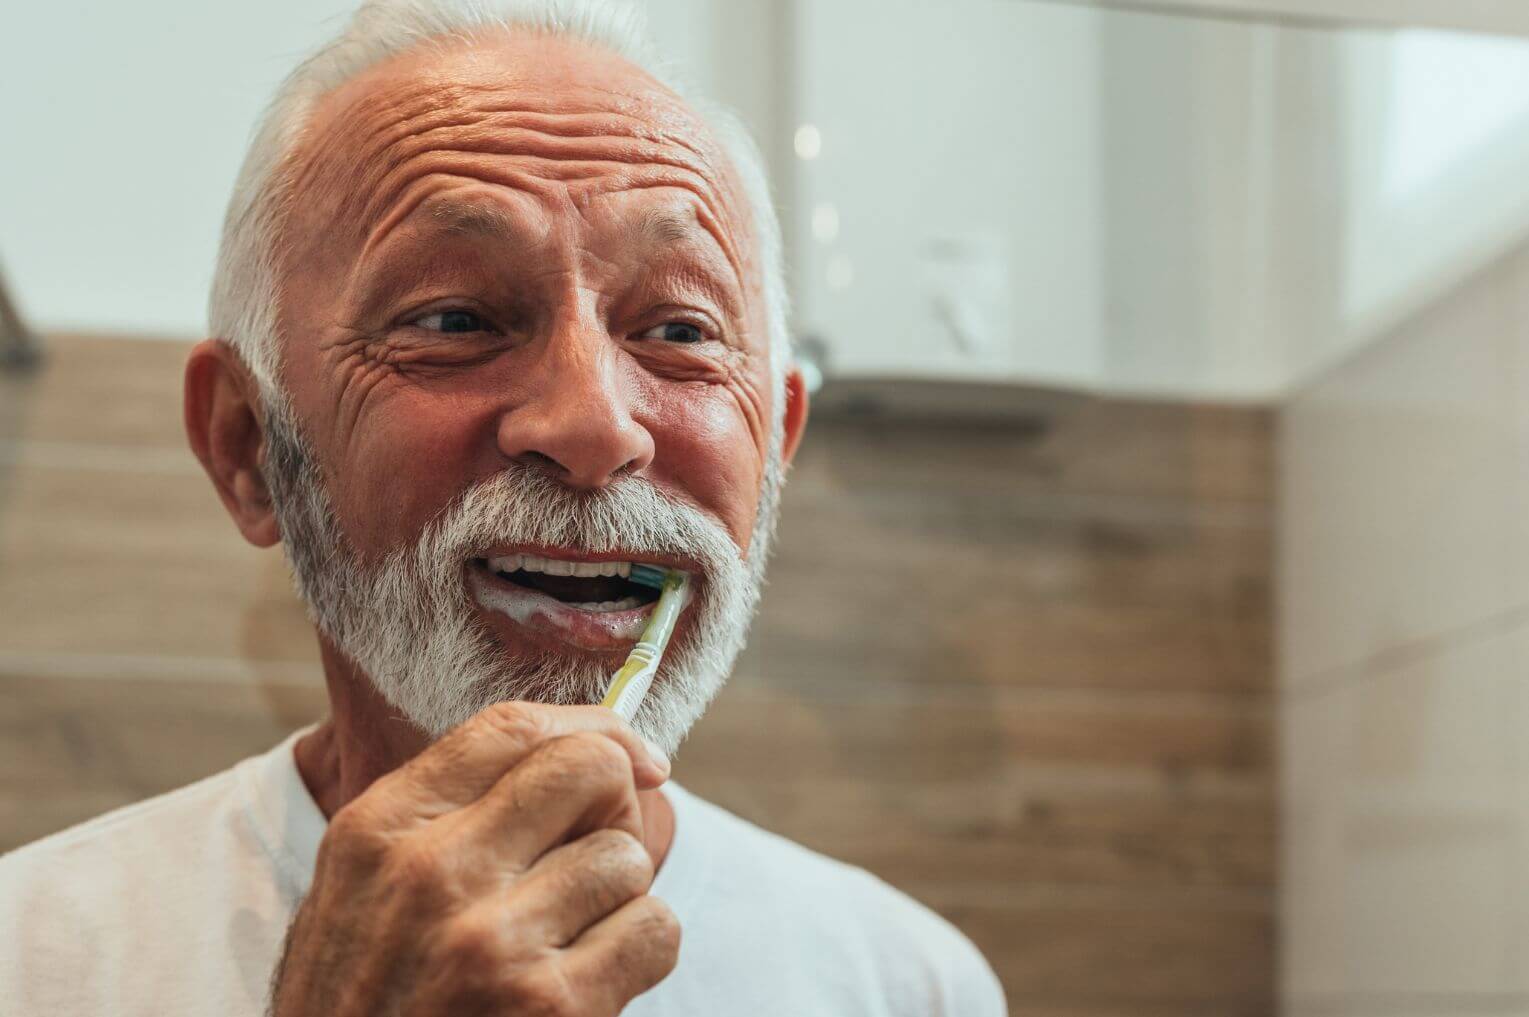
178	905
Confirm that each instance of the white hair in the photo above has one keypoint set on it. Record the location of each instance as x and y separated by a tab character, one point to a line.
243	309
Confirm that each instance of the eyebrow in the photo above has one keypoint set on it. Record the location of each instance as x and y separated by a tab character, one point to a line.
462	217
668	225
469	217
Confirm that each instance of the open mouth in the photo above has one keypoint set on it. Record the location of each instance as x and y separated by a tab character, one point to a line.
598	587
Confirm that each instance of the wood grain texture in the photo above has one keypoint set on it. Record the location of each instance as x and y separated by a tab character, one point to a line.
1023	675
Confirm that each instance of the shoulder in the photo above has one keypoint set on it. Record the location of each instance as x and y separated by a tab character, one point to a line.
111	838
921	955
255	813
93	875
82	907
852	918
944	966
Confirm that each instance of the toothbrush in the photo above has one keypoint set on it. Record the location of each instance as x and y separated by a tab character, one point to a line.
630	684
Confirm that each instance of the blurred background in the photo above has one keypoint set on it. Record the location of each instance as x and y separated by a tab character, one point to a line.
1179	349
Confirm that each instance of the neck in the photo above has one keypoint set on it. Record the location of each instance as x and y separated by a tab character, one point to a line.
364	737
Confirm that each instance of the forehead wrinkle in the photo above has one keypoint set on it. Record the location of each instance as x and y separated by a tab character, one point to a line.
576	183
394	111
601	111
573	167
557	131
543	178
571	145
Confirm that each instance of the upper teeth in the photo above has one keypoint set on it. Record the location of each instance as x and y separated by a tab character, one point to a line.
560	567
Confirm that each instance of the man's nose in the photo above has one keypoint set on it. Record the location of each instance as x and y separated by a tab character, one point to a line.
577	417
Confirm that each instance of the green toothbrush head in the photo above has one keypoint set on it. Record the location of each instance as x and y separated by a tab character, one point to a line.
649	575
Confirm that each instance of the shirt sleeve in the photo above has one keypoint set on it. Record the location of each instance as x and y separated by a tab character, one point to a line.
928	965
959	982
968	986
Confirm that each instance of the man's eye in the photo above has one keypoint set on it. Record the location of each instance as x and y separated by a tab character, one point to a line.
675	332
455	321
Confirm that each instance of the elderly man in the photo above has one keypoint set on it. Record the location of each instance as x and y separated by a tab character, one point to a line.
498	315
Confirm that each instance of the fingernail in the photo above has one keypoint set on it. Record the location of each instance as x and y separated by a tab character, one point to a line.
657	755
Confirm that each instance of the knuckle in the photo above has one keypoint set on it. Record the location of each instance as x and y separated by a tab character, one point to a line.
349	822
471	944
658	925
542	991
621	857
598	757
352	835
515	720
416	870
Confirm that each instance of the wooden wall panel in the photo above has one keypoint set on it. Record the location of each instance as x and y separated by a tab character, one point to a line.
1023	674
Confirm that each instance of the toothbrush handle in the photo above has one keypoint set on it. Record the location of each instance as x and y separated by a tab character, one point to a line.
631	684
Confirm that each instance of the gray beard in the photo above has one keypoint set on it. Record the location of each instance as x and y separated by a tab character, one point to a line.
408	621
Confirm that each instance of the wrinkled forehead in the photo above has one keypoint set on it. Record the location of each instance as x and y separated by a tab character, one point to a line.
562	122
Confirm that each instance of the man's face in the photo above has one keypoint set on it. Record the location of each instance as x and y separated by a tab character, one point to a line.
523	254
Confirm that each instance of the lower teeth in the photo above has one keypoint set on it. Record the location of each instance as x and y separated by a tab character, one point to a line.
624	604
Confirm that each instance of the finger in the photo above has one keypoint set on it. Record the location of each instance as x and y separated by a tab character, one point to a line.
626	954
565	789
578	884
472	757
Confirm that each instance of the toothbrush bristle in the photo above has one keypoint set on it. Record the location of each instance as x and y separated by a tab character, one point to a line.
648	575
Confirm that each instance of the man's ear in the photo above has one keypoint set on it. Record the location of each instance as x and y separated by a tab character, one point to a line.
223	426
796	412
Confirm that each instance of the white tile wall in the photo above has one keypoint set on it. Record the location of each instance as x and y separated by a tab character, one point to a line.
1404	668
1402	482
1406	835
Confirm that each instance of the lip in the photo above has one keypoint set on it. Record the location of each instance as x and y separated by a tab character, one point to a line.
530	615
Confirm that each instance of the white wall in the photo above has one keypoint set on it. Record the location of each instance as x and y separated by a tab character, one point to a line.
963	131
1403	578
1474	15
125	125
1435	167
1191	160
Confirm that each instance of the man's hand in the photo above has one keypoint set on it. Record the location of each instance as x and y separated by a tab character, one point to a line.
501	871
